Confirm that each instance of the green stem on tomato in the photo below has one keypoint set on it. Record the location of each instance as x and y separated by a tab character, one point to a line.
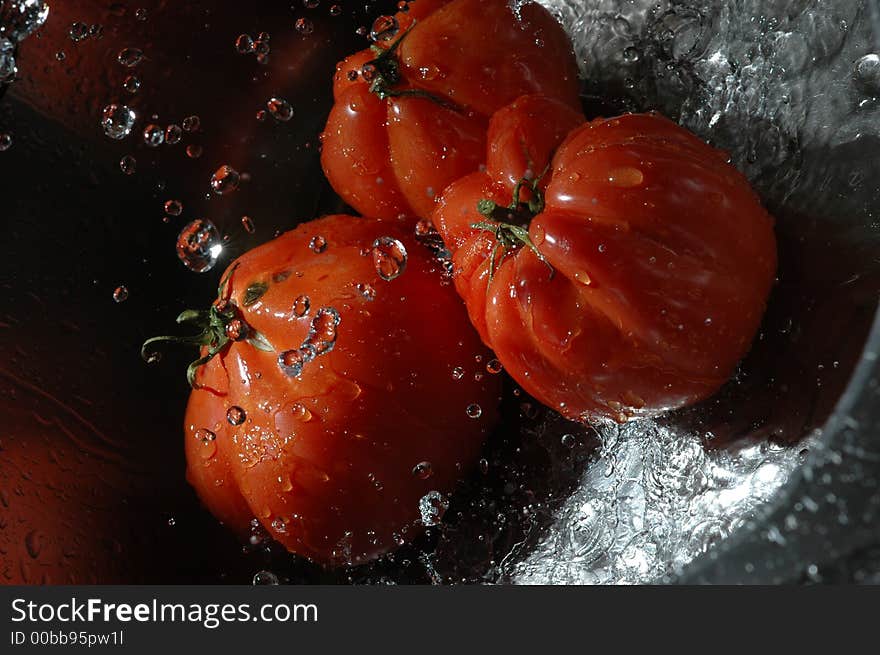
510	224
214	323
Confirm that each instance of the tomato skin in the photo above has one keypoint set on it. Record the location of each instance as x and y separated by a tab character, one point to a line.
473	57
325	461
662	261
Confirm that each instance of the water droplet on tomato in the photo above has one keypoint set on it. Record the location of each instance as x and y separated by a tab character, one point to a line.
318	244
389	258
367	291
235	415
301	306
384	28
625	177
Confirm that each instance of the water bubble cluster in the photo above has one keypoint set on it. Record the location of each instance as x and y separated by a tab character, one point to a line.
199	245
320	341
432	507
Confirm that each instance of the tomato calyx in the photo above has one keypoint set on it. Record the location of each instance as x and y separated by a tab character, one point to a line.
383	73
220	325
510	225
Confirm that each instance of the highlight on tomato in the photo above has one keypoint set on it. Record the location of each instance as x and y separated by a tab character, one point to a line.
618	268
325	406
411	112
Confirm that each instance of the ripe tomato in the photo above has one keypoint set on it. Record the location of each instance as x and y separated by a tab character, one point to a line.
333	409
630	278
410	114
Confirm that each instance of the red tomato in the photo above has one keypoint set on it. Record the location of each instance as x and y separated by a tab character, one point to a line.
633	279
333	408
410	115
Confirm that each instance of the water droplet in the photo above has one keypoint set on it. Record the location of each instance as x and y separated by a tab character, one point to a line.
568	440
130	57
318	244
235	415
244	44
194	151
78	31
248	224
60	55
173	134
422	470
128	165
21	18
5	141
457	373
292	362
304	26
131	84
120	294
384	28
367	291
173	207
204	435
265	578
279	109
33	543
484	466
199	245
320	341
8	67
191	124
867	73
118	121
301	412
432	507
154	135
301	306
225	180
141	14
630	55
494	366
389	257
474	411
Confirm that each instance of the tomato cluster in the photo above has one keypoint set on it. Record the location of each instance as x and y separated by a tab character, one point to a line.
617	268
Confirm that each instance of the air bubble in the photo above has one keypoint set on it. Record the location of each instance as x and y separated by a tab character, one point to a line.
173	207
244	44
5	141
304	26
131	84
422	470
128	165
474	411
154	136
248	224
120	294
